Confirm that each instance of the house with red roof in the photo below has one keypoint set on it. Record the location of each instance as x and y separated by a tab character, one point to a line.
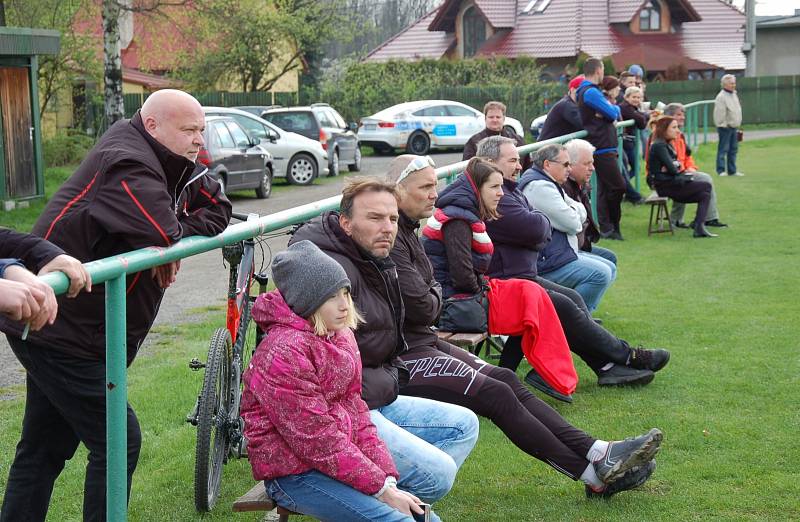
704	36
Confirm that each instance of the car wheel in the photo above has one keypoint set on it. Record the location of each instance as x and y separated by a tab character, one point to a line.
302	169
509	129
418	143
333	167
222	183
356	165
264	189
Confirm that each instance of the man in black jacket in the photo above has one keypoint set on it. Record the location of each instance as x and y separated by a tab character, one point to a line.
494	114
428	440
138	187
563	118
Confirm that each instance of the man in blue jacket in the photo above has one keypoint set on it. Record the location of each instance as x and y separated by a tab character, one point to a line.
598	116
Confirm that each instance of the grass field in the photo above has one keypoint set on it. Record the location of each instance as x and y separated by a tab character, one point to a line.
727	402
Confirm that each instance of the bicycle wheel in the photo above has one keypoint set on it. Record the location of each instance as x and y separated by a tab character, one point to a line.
213	415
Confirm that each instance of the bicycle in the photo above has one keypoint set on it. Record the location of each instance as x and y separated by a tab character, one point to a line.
220	428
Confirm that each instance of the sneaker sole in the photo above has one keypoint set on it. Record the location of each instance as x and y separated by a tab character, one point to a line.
549	391
641	456
631	381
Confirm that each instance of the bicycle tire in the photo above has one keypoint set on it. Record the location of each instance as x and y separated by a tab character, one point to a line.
212	422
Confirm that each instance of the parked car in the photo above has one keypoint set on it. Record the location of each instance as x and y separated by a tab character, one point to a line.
320	121
234	159
536	126
419	126
298	159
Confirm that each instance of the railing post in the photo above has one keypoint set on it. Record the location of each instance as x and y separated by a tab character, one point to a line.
637	133
705	123
116	402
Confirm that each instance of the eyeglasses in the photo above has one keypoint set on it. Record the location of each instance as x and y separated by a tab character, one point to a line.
418	163
566	164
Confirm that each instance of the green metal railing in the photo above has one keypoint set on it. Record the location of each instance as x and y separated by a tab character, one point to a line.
113	270
691	128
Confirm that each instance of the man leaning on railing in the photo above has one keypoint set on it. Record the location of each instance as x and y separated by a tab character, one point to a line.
138	187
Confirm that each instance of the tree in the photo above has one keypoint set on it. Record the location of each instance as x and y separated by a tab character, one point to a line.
77	55
255	43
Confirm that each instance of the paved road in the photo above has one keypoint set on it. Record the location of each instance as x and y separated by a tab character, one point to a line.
202	280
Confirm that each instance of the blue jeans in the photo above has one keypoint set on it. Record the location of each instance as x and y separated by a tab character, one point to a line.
316	494
589	275
727	148
428	440
605	253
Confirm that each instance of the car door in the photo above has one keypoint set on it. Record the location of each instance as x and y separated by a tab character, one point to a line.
228	155
468	122
251	157
439	124
348	141
262	131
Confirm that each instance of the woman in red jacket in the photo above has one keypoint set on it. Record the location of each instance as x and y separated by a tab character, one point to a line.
310	437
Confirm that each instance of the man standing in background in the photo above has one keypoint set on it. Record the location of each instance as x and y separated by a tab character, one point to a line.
728	119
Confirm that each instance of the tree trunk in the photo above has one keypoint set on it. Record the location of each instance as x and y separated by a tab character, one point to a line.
112	77
2	14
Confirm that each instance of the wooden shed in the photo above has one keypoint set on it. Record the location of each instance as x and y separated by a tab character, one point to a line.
21	165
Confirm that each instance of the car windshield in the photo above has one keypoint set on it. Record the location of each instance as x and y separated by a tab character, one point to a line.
437	111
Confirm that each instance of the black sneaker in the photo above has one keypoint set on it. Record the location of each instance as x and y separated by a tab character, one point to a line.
716	223
627	454
652	360
535	380
680	224
619	375
632	479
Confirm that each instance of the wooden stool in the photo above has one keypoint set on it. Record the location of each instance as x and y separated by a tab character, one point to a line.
658	207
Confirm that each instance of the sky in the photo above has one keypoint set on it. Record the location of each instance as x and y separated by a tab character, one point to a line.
772	7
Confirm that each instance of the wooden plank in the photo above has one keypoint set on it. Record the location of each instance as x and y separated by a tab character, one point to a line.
467	339
254	500
17	134
443	335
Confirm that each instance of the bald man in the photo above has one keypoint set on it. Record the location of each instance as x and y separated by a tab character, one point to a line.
138	187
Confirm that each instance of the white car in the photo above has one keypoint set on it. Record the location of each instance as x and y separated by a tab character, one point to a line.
419	126
298	159
536	126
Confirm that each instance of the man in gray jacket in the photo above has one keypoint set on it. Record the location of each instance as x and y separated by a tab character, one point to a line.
728	119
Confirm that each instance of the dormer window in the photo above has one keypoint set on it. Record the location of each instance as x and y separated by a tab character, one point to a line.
650	16
474	31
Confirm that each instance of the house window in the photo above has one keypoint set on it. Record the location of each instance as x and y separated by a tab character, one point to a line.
650	16
474	31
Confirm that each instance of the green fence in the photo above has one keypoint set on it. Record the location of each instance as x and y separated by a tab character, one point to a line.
764	99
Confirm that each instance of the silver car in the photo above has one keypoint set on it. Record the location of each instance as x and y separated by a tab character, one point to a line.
298	159
419	126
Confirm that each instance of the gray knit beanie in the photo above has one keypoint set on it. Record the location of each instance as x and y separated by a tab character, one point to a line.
306	277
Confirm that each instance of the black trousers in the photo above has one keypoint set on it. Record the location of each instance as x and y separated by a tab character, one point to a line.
449	374
587	339
694	191
610	191
65	405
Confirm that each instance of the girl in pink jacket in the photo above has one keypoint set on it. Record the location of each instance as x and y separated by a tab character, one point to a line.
310	438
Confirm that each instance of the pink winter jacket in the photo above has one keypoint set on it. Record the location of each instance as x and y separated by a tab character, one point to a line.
302	404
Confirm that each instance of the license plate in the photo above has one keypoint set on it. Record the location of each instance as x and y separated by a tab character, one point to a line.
370	126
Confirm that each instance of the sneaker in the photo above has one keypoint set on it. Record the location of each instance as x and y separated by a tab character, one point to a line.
680	224
632	479
722	173
716	223
737	174
619	375
627	454
643	359
535	380
615	235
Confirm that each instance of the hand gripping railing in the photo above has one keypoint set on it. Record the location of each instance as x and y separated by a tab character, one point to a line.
112	271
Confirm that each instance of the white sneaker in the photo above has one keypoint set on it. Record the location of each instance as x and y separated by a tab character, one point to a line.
722	173
740	174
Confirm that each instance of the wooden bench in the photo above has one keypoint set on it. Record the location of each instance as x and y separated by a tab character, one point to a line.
257	500
472	342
